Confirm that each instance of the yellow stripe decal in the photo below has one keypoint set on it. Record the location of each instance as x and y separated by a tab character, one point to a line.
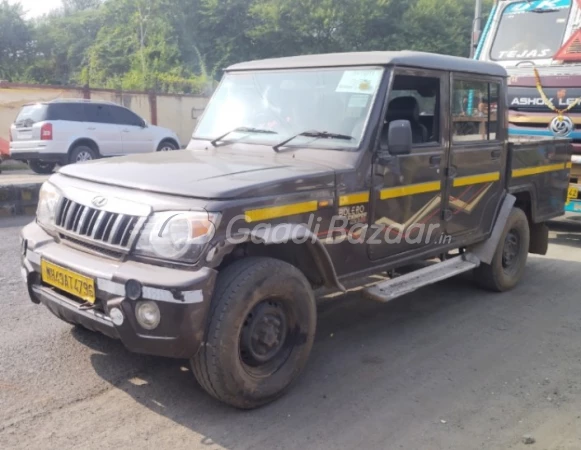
477	179
354	199
275	212
527	171
569	165
412	189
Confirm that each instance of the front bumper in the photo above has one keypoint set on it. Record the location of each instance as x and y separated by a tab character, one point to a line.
183	297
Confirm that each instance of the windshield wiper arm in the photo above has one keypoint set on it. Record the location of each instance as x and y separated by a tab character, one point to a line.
543	10
214	142
314	134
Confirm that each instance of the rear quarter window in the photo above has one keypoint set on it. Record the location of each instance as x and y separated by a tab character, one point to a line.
31	114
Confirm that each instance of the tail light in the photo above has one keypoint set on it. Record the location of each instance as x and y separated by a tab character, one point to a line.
46	132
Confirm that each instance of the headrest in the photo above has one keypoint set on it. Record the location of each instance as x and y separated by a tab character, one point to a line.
403	108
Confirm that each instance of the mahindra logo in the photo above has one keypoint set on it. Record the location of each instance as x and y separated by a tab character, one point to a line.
99	201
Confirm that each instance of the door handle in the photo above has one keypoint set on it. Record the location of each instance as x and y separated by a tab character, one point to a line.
496	154
435	161
126	131
91	128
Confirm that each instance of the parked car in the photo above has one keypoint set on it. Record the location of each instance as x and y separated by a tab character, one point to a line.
215	253
69	131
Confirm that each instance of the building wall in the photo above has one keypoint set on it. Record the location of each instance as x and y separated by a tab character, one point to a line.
176	112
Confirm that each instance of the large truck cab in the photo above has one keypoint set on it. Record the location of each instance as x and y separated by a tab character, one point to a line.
538	42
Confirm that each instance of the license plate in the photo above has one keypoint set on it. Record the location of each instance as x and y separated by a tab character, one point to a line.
68	281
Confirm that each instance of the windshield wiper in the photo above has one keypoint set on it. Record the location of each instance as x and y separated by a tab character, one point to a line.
241	130
314	134
544	10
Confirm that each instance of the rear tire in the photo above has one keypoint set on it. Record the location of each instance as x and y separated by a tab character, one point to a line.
510	258
82	153
41	167
260	332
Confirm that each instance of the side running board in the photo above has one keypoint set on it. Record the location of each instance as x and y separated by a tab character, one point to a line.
396	287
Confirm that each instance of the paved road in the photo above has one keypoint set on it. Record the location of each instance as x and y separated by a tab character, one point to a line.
449	367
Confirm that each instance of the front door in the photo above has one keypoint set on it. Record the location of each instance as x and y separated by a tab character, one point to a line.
407	190
477	158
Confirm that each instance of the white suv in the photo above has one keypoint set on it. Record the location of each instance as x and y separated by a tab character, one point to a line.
69	131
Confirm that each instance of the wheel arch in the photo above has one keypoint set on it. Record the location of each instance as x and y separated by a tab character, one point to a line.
84	141
168	139
292	243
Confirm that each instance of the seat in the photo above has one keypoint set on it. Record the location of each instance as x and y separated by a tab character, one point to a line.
407	108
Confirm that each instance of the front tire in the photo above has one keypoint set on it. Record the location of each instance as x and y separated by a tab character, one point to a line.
260	333
167	146
82	153
41	167
510	258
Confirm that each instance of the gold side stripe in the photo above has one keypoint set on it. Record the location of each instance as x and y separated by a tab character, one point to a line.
569	165
354	199
274	212
412	189
477	179
527	171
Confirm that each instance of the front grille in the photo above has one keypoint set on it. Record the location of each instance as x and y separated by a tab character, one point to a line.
100	227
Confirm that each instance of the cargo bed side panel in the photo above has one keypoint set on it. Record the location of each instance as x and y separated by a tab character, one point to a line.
540	169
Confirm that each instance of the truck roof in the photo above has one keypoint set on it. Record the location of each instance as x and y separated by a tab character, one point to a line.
401	58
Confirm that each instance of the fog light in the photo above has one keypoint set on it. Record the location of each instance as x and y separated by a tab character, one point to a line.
133	290
116	316
148	315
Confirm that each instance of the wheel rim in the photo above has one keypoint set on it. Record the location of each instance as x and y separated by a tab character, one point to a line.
84	156
266	339
167	148
511	251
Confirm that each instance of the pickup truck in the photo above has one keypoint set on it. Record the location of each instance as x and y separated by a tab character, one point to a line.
303	175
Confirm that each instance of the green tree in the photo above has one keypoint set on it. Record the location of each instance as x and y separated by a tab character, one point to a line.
15	37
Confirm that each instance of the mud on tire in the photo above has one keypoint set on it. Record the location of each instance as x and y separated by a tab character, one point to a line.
259	335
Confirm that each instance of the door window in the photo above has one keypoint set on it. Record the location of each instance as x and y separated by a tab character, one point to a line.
124	116
416	99
474	110
98	114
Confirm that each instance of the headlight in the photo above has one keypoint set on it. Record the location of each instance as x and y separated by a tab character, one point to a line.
177	236
48	200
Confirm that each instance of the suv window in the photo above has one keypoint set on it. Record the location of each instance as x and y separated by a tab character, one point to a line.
99	113
31	114
123	116
72	112
417	99
474	110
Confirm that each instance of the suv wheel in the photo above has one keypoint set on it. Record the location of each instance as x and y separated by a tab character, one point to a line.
260	332
82	153
167	146
510	259
41	167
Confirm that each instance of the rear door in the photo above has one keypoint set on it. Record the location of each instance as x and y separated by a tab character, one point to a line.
407	191
103	129
137	138
475	176
26	127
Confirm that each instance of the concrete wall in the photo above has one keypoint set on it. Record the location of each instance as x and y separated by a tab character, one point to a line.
177	112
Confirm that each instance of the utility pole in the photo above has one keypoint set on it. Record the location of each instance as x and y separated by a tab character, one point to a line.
476	28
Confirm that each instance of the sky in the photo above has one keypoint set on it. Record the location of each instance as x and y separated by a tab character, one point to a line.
35	8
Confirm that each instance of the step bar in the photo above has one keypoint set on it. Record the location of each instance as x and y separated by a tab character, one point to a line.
405	284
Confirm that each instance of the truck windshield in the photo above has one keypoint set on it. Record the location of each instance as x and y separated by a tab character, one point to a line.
280	104
531	30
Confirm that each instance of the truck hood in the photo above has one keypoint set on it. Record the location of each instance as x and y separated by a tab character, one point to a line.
206	175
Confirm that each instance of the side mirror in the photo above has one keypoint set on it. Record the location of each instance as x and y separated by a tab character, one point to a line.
143	124
399	138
